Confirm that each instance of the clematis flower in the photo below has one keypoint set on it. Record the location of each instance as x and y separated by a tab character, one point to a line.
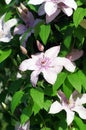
74	104
48	64
5	27
26	126
29	21
75	54
53	7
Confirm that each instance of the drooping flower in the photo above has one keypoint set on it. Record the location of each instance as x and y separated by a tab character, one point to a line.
48	64
29	21
53	7
74	104
75	54
5	27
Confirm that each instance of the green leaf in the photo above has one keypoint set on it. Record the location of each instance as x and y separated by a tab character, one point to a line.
75	81
47	104
60	80
83	23
82	77
16	100
8	16
78	16
67	88
38	97
4	54
79	123
44	33
27	112
45	128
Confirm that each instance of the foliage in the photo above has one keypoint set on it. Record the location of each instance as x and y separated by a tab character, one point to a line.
19	100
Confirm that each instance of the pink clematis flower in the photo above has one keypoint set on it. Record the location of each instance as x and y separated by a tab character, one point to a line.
53	7
48	64
74	104
29	21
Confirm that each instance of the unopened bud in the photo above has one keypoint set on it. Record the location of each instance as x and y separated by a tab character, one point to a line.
19	10
23	7
23	50
4	105
39	46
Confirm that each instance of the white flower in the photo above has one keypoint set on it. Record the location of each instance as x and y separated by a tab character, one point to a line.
48	63
53	7
5	27
8	1
74	104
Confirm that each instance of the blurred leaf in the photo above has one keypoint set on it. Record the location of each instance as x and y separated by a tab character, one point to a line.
81	125
60	80
83	23
45	128
82	77
78	16
4	54
67	88
27	112
16	100
75	81
8	15
80	33
38	98
37	28
44	33
47	104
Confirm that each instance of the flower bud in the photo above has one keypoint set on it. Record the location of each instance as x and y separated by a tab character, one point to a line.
39	46
23	50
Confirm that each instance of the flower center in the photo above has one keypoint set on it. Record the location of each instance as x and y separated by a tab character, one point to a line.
43	62
71	104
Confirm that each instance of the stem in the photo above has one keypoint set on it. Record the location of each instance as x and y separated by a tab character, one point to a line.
42	120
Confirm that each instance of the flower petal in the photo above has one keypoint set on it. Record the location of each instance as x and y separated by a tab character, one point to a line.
75	54
50	8
34	77
70	116
28	65
48	78
53	16
81	99
62	97
2	21
10	23
52	52
81	111
41	10
71	3
6	38
36	2
56	107
66	63
67	11
20	29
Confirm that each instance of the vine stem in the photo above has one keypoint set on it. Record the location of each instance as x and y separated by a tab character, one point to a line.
42	120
